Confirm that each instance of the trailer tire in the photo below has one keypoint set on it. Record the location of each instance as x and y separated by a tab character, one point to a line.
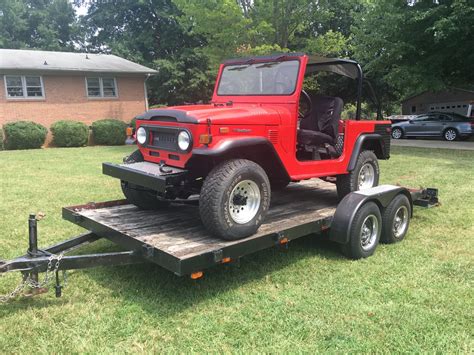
233	187
365	231
367	167
139	195
396	220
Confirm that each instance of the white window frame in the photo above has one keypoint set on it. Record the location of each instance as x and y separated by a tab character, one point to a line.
24	88
101	87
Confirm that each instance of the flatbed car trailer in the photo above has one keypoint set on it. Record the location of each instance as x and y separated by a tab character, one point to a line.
176	240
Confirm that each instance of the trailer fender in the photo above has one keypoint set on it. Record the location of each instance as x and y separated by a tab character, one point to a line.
343	218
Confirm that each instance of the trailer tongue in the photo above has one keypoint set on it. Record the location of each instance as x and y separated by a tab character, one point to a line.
176	240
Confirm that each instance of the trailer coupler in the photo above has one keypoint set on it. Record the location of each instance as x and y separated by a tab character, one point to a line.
425	198
53	259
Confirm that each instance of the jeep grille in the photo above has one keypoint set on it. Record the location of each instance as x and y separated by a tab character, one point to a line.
164	140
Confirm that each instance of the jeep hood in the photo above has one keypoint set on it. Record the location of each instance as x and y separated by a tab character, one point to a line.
199	114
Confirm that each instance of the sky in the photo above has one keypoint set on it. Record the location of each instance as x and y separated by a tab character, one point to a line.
81	10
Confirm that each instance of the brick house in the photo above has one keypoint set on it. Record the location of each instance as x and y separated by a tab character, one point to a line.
45	86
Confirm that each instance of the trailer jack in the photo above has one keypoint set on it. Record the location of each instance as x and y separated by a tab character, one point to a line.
54	259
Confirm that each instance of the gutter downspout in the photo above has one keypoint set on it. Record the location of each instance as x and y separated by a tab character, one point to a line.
146	91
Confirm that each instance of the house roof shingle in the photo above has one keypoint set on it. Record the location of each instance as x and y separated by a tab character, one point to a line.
36	60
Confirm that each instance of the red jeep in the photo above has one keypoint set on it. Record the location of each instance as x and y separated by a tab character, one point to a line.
254	137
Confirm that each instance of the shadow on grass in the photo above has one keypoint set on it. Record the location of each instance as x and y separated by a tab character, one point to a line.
163	294
160	292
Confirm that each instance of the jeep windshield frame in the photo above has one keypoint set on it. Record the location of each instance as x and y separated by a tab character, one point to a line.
272	77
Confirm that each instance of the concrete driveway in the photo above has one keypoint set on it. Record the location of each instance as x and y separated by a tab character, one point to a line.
424	143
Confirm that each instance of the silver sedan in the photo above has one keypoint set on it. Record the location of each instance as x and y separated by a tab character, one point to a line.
450	126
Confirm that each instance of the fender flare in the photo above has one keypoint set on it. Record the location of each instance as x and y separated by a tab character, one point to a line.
346	210
359	144
258	149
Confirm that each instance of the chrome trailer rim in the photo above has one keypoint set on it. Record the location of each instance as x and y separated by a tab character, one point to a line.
369	232
366	177
400	222
244	201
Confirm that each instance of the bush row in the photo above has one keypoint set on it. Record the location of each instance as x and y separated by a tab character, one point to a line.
31	135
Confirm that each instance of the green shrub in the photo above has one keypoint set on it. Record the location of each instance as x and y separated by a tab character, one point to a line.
109	132
70	134
24	135
133	123
1	138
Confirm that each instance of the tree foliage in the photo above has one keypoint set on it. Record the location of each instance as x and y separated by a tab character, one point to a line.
45	24
405	46
410	47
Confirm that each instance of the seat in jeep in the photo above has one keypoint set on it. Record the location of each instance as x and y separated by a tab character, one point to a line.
320	126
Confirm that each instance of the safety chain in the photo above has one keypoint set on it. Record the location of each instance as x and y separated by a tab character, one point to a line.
28	281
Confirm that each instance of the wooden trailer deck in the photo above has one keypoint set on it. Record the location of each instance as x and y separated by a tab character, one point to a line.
176	239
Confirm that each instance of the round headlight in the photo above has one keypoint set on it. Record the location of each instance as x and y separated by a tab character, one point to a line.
141	135
184	140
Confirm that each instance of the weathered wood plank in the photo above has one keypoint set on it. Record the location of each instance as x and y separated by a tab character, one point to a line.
178	229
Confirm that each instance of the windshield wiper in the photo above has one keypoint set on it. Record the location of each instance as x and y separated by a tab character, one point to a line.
267	65
242	67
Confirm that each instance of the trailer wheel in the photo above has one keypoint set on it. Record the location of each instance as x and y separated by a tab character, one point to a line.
139	195
396	220
234	199
364	232
364	176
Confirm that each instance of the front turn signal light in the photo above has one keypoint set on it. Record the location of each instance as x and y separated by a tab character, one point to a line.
205	139
129	131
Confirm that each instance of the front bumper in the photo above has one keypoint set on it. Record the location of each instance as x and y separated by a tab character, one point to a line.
150	175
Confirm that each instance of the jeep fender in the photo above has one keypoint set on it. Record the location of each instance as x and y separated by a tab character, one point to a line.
257	149
369	141
346	209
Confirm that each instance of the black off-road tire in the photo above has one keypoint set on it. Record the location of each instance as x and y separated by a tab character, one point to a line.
348	183
142	197
216	192
138	195
353	249
400	204
279	185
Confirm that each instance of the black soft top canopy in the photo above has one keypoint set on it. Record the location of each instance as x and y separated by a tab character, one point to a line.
346	67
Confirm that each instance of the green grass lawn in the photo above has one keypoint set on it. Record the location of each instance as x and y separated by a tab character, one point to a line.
414	296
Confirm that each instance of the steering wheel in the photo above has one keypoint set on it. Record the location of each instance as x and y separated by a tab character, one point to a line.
309	105
280	87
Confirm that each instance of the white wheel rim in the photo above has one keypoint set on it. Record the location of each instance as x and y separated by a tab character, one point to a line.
244	201
450	135
400	222
366	177
369	232
396	133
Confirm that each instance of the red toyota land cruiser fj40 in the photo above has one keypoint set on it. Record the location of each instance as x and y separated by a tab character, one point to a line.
251	139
